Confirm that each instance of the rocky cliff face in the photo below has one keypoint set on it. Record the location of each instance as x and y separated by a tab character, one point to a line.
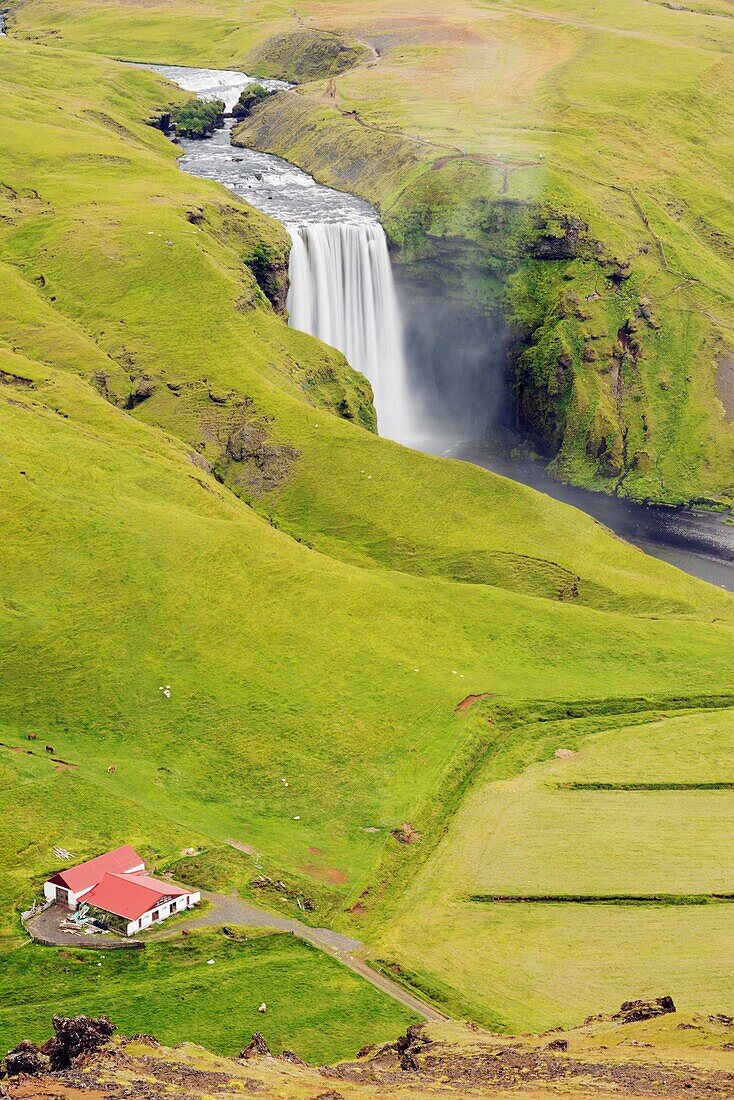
601	373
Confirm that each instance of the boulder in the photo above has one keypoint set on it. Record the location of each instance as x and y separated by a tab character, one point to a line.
28	1059
557	1044
256	1048
76	1036
632	1011
291	1057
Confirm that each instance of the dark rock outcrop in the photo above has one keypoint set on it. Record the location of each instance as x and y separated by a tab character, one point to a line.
291	1057
256	1048
557	236
76	1036
143	388
250	97
265	464
270	269
26	1058
631	1012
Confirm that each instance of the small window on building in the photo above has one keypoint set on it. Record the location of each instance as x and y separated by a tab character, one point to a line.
156	914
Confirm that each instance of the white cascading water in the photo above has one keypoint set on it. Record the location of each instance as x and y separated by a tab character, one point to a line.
342	290
341	282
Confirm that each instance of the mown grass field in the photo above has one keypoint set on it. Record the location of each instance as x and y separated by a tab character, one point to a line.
519	930
322	632
174	991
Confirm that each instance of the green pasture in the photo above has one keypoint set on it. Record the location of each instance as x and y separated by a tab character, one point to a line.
205	988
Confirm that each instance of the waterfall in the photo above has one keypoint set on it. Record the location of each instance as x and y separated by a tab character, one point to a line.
342	290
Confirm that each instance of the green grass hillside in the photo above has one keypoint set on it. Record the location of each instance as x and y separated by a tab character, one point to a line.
211	985
181	505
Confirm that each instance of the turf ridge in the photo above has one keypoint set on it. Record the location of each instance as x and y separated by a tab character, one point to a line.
599	899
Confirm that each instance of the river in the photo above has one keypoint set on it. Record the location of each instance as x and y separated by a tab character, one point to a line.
343	291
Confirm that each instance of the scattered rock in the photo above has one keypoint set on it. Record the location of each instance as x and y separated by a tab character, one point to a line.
218	398
631	1012
330	1095
557	1044
291	1057
26	1058
256	1048
564	754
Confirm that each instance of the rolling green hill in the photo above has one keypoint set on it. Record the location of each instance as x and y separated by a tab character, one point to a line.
182	505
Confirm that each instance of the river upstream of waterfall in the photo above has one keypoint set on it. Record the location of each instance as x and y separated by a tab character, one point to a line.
343	291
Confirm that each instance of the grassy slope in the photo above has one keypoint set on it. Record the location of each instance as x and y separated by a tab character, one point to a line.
126	567
311	999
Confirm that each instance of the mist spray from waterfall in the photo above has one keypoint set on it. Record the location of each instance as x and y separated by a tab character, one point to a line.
342	290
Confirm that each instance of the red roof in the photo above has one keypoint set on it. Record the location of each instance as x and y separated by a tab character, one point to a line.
85	875
130	896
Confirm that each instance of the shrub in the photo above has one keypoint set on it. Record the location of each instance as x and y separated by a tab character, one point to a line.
199	118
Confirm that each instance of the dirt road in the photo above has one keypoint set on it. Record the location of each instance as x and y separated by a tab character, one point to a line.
225	909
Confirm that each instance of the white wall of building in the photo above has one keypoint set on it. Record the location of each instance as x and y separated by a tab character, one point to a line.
49	892
186	901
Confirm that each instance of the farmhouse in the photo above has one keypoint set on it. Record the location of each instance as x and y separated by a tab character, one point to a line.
116	883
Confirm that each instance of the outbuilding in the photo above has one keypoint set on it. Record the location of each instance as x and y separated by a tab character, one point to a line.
116	883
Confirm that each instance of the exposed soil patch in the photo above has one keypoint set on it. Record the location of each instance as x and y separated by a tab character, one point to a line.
470	700
8	379
326	874
725	384
246	848
315	852
406	834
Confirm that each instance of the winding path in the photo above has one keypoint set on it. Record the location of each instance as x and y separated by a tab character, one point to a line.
226	909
